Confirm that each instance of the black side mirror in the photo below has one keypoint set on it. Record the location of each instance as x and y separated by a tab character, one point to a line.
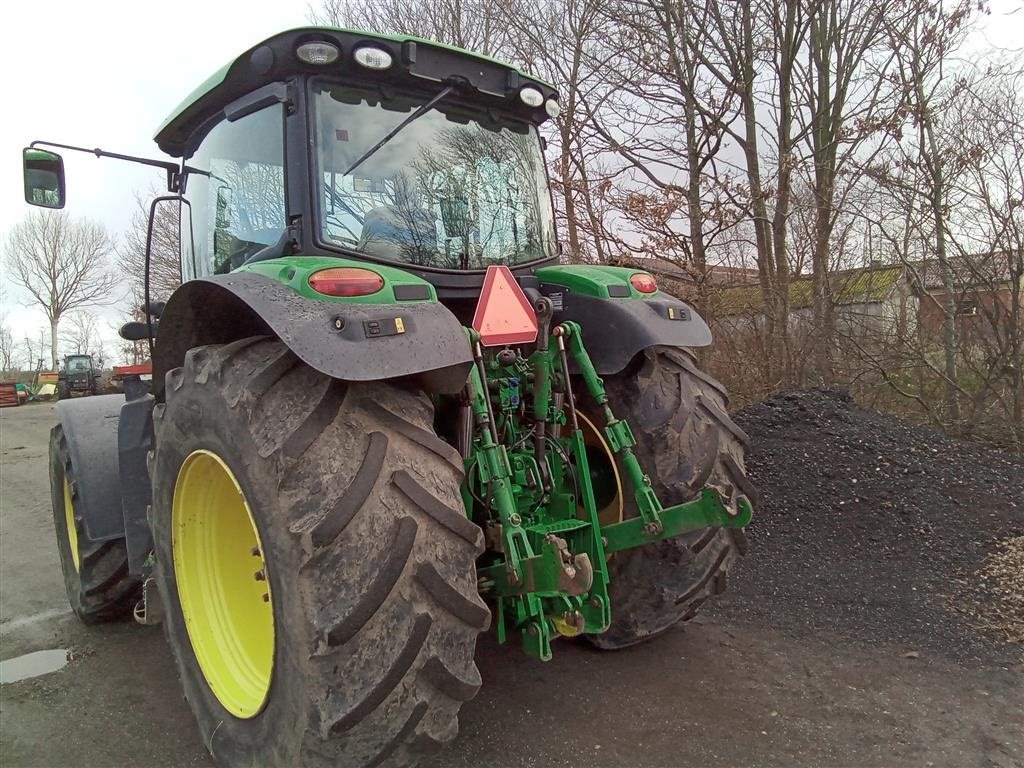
44	178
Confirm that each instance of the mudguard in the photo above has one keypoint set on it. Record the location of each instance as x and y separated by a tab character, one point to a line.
134	441
349	341
90	427
617	321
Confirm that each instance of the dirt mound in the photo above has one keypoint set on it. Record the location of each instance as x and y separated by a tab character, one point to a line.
872	528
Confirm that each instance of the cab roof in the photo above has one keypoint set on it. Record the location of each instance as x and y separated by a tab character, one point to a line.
416	62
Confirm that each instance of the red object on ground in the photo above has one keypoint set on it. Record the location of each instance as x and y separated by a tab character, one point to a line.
142	369
8	394
503	314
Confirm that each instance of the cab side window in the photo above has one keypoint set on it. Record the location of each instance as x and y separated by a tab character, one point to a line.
237	194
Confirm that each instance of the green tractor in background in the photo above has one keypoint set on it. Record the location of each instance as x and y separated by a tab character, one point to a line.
383	416
79	376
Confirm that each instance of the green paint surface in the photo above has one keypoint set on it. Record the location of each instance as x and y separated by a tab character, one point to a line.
295	271
591	279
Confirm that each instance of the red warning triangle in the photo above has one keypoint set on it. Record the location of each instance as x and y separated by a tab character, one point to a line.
503	314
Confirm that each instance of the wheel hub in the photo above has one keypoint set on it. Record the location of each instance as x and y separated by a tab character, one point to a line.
222	583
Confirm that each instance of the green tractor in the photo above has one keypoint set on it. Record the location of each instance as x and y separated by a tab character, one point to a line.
79	376
383	415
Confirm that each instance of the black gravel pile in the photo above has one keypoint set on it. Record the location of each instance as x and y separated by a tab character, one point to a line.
870	527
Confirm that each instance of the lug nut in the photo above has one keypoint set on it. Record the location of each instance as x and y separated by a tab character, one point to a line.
260	575
266	597
255	552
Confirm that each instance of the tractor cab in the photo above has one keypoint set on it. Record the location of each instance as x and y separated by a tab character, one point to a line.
78	377
328	142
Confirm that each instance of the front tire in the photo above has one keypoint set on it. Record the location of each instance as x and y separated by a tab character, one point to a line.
685	440
369	558
96	577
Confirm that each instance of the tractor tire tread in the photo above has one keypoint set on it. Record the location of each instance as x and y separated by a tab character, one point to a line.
423	437
441	513
388	570
685	440
388	682
351	501
449	683
469	608
368	507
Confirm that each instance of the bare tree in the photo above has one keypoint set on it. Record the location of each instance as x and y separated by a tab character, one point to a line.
917	170
81	334
477	25
566	42
63	264
846	86
6	348
665	118
165	257
32	352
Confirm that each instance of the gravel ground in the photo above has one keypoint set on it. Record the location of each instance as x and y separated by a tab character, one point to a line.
875	530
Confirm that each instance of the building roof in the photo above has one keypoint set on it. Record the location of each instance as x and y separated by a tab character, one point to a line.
850	286
981	269
717	274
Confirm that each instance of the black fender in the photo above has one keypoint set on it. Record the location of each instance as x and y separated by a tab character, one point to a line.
214	310
109	440
134	442
90	427
616	330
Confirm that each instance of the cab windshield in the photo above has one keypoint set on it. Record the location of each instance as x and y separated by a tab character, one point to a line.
453	189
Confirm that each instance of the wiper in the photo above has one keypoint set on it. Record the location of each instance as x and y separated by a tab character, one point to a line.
420	112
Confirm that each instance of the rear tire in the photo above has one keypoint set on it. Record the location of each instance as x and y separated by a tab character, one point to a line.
685	440
369	555
96	576
63	391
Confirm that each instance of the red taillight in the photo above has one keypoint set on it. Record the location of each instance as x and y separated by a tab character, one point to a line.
346	281
643	282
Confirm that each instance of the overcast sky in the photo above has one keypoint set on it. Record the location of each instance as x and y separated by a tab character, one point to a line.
106	74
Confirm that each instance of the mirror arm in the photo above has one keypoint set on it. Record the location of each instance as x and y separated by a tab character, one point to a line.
173	170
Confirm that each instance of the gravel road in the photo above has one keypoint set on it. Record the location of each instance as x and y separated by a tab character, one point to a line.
831	649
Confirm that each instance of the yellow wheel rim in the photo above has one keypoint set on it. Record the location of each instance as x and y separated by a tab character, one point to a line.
602	460
222	583
69	516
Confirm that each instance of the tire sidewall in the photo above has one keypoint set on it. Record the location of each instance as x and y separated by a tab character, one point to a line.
197	417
